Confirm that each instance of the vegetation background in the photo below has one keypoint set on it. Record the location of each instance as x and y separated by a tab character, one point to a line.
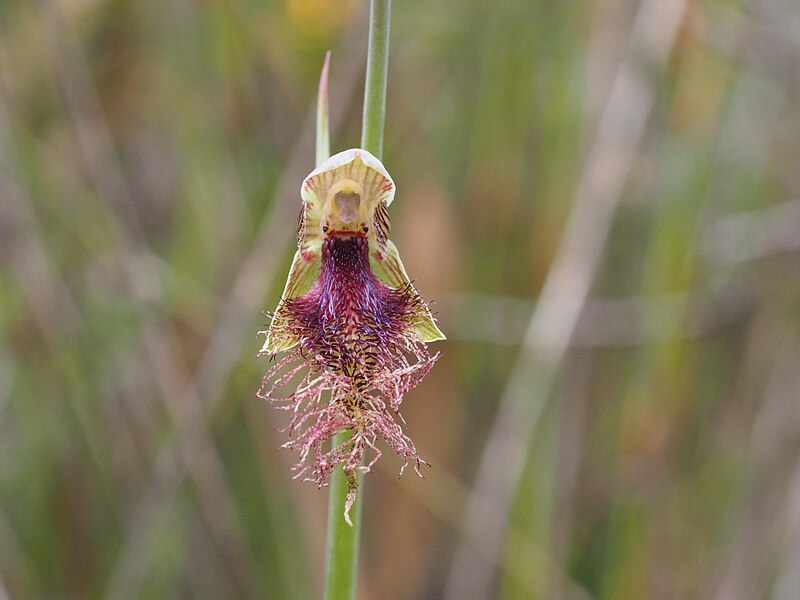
632	164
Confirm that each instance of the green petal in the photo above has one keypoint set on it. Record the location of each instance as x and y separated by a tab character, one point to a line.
390	270
302	275
301	278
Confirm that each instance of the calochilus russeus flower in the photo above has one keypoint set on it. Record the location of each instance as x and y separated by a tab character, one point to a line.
349	334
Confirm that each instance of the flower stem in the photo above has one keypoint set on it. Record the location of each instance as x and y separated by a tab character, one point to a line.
375	87
343	539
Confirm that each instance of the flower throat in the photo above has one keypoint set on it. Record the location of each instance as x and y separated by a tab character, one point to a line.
349	314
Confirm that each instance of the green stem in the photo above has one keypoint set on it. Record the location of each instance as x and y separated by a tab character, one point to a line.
343	539
375	86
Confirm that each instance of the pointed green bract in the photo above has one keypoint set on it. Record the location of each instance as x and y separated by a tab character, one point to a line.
323	150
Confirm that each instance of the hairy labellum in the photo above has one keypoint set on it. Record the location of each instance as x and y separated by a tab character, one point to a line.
349	315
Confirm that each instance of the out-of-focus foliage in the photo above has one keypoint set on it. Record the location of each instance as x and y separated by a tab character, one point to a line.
150	160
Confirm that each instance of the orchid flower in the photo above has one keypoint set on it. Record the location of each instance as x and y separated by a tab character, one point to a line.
349	334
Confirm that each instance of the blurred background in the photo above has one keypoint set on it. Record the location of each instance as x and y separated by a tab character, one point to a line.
601	197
